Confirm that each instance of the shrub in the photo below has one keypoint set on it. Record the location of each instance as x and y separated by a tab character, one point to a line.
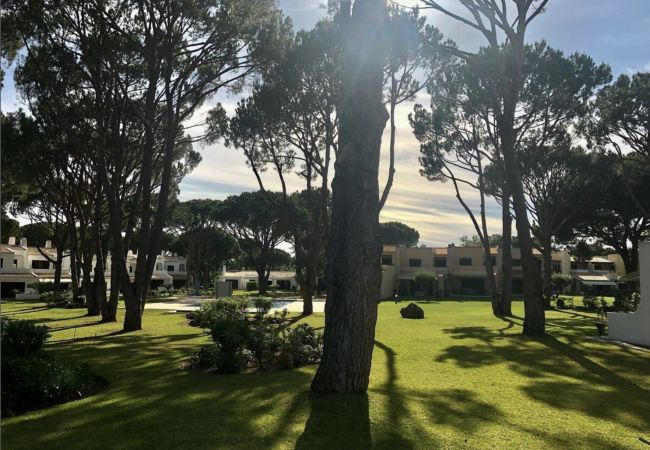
302	345
564	302
593	303
37	381
215	309
54	299
626	301
214	359
560	280
251	286
43	286
22	337
264	340
262	306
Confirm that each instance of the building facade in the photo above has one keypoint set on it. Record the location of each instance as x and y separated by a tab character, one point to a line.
22	265
286	280
461	270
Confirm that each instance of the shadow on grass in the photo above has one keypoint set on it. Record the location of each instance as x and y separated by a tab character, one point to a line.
337	421
562	374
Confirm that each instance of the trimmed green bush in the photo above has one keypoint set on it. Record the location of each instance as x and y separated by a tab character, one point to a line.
626	301
215	309
262	306
252	286
302	345
20	337
38	381
592	303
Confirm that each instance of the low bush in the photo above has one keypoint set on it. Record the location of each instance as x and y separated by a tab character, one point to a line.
564	302
241	341
214	359
593	303
31	379
38	381
19	337
215	309
43	286
626	301
302	345
251	286
262	306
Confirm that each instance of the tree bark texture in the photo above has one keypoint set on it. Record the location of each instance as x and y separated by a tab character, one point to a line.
505	302
534	318
354	252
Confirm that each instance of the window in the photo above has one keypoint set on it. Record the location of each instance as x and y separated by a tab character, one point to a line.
386	260
439	261
36	264
15	263
158	266
2	262
556	267
598	267
465	262
130	269
574	266
181	268
170	268
516	263
415	263
493	260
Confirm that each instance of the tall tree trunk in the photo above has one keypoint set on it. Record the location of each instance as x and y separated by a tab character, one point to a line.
110	314
354	252
262	280
491	280
74	262
58	263
308	288
505	303
534	318
547	255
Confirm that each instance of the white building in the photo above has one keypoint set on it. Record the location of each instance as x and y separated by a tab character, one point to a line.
22	265
286	280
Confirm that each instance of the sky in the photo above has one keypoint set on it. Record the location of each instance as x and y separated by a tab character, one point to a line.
615	32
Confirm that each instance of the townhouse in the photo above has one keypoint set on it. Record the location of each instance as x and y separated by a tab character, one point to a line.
461	270
22	265
286	280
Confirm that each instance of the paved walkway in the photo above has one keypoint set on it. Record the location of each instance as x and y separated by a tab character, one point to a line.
187	304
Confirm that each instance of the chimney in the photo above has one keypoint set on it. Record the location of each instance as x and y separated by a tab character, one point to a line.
12	240
23	242
223	269
48	244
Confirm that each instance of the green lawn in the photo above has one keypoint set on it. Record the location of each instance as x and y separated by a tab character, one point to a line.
460	378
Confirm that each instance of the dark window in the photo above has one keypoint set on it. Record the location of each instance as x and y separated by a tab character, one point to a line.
158	266
556	267
40	264
465	261
574	266
170	268
130	269
15	263
415	263
516	263
2	262
598	267
472	286
386	260
439	262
